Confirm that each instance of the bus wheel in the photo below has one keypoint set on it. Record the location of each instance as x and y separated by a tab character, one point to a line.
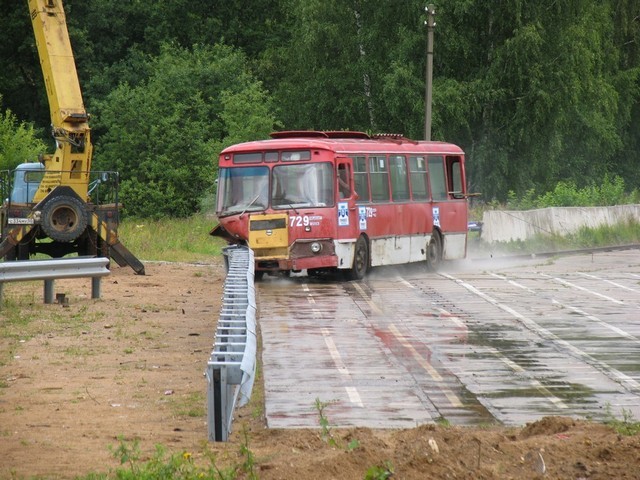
360	261
434	252
258	275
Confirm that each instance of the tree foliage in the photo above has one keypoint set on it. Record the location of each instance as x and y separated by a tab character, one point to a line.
535	92
164	132
18	141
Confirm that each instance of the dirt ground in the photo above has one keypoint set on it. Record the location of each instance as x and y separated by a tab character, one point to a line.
76	380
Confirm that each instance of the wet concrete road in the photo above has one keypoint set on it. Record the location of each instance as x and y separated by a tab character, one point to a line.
480	342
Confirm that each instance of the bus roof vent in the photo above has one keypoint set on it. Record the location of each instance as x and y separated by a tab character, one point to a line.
318	134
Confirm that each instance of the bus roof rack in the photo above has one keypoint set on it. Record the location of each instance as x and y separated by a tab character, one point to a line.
319	134
394	137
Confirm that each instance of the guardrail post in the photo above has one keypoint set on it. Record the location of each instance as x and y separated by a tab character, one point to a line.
48	291
95	287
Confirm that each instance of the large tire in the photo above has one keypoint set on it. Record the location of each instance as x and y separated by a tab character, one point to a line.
360	261
434	252
64	218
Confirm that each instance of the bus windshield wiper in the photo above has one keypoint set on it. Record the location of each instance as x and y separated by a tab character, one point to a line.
290	205
250	203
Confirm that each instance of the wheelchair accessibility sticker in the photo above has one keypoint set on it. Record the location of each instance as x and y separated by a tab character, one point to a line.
362	218
436	216
343	214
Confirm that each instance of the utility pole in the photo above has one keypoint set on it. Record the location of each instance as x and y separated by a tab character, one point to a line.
431	23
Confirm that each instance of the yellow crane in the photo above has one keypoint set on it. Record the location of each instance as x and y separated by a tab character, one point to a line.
59	205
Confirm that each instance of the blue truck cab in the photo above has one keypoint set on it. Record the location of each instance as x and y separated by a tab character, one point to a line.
26	180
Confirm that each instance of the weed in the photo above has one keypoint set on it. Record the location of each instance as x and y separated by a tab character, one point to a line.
380	472
443	422
127	453
353	444
248	464
165	466
627	426
327	434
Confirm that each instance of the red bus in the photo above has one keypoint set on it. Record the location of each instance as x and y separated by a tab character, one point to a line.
347	201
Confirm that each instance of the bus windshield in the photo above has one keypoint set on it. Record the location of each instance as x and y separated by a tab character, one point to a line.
242	188
302	185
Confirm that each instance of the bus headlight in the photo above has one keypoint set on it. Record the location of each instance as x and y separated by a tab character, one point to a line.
316	247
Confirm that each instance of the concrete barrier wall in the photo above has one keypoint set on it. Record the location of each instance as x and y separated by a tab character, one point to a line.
508	225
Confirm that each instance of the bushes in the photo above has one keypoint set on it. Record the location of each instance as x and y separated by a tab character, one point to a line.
567	194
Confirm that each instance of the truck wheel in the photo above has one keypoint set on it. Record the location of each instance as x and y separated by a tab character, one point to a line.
360	261
64	218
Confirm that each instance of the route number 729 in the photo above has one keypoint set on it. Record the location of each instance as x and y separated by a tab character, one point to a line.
299	221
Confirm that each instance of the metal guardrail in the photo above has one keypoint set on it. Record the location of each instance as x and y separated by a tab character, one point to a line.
231	368
50	270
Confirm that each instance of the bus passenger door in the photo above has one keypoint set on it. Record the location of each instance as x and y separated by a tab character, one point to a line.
449	203
346	197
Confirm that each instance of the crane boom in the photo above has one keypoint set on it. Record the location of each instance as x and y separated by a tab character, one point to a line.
54	207
71	163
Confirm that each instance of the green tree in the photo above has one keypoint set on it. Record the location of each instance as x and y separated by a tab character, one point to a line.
541	83
535	92
18	141
350	64
21	82
164	133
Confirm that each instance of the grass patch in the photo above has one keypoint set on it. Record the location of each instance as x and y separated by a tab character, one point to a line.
78	351
627	426
173	240
170	466
189	405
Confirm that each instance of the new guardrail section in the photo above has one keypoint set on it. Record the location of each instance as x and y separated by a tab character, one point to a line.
231	368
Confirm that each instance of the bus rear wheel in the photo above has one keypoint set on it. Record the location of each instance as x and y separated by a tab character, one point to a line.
434	252
360	261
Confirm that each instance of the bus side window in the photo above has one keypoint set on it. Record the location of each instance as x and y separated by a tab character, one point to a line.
361	178
399	178
454	176
418	177
343	181
379	178
437	179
